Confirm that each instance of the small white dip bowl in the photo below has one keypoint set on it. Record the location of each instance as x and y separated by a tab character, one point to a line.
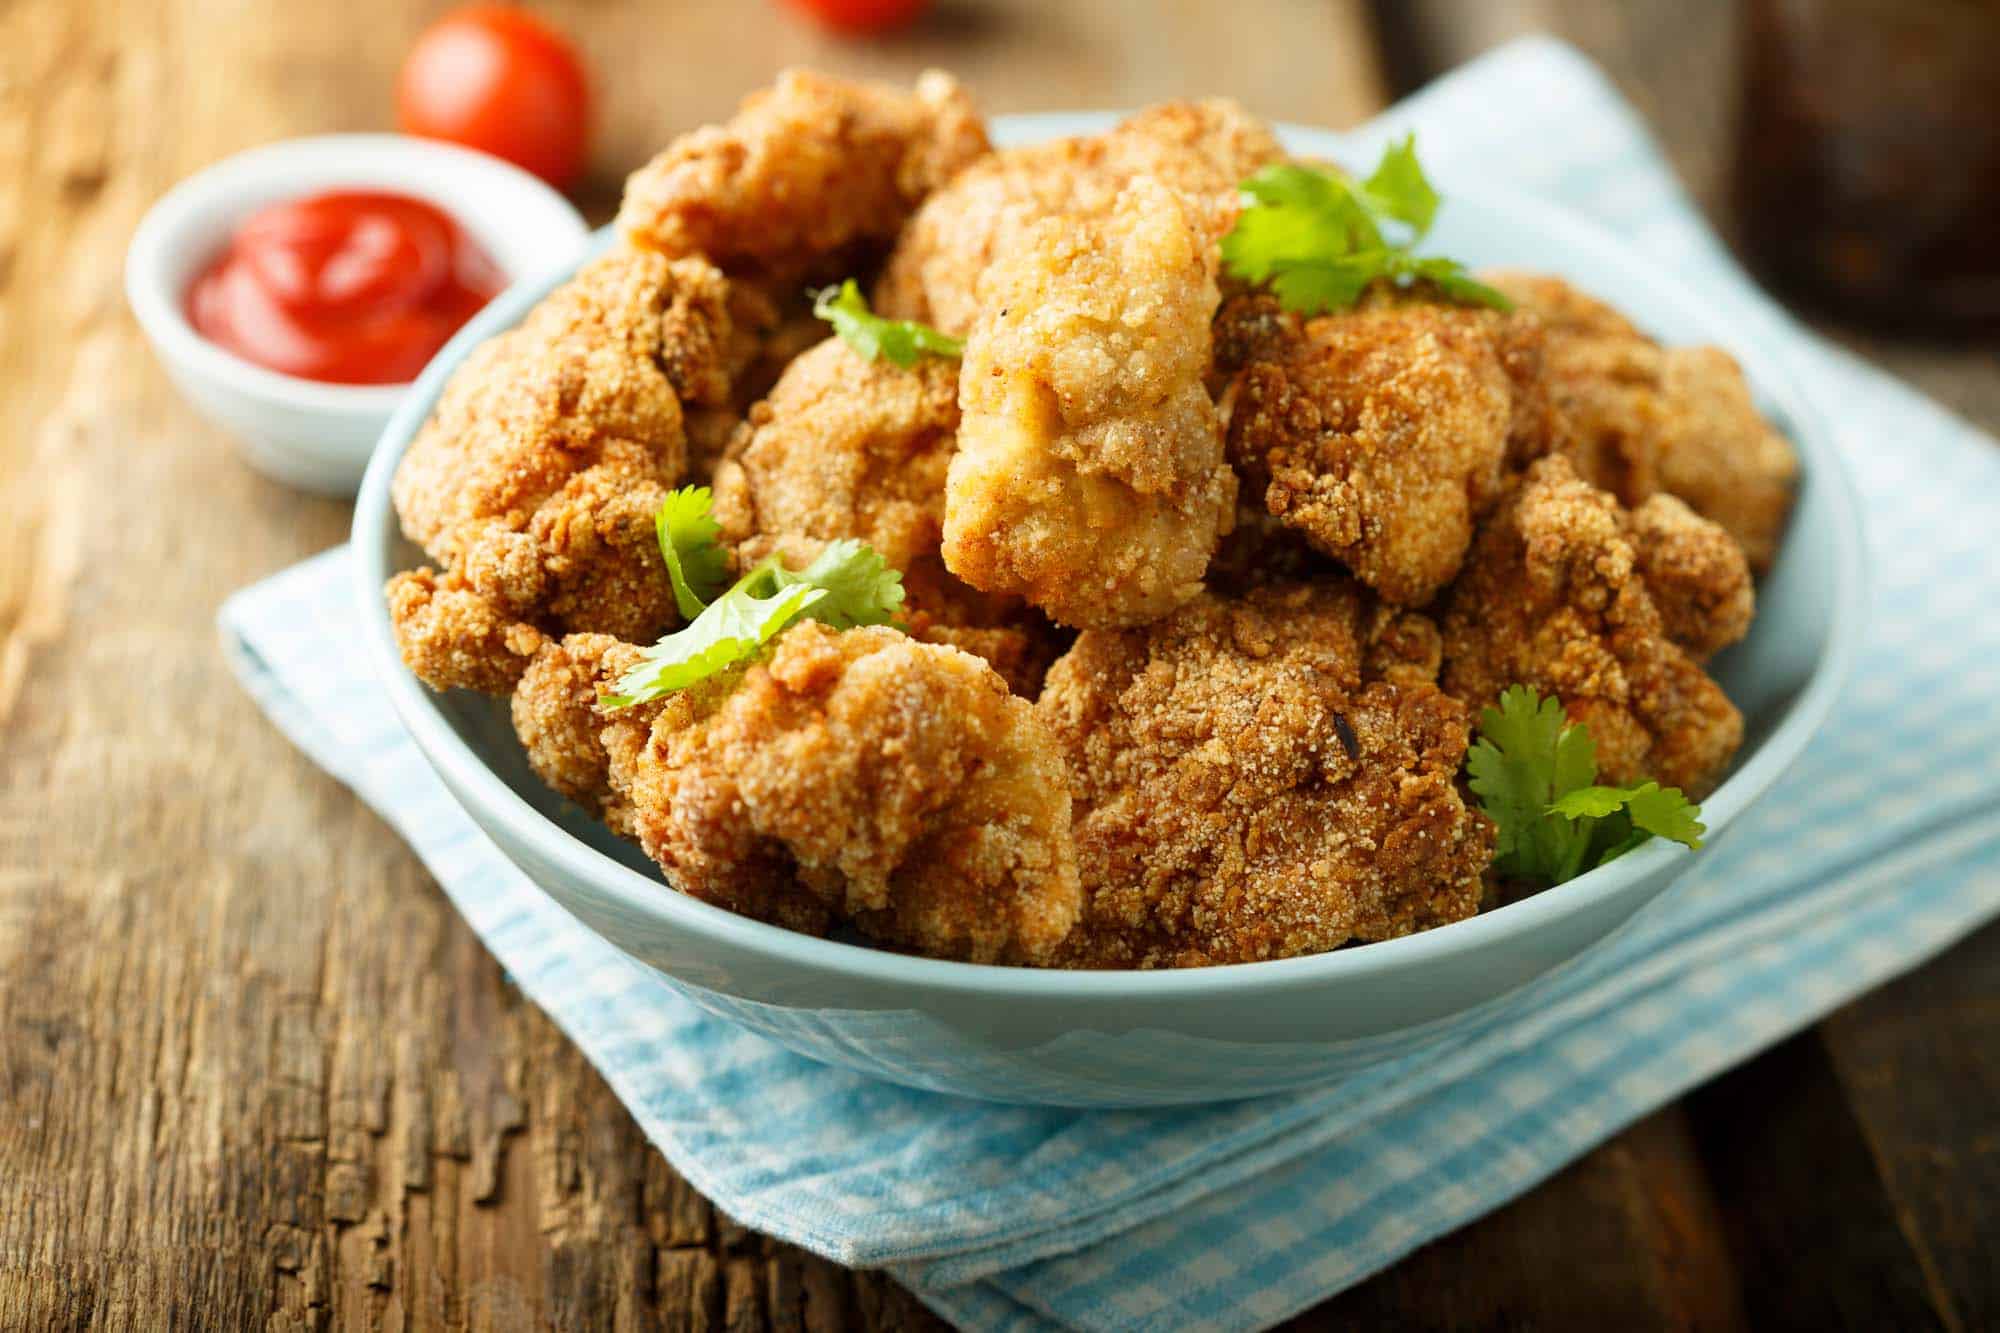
304	433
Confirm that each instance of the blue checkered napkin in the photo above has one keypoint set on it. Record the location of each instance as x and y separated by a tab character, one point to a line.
1879	849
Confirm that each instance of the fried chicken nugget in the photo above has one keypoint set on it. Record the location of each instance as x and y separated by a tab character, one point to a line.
1089	476
807	173
535	481
1262	778
1558	594
557	718
856	777
846	447
1199	149
1640	418
1378	433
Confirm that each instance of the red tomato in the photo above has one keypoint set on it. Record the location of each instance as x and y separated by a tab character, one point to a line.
862	15
500	80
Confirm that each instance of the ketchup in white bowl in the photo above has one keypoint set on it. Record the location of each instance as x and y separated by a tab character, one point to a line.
297	325
345	287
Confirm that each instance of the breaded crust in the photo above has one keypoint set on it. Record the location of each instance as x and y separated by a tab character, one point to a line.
861	777
1377	433
849	448
1636	418
809	172
1556	595
1198	149
535	481
1089	477
1261	778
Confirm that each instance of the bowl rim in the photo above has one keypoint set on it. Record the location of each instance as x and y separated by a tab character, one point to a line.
1769	374
302	164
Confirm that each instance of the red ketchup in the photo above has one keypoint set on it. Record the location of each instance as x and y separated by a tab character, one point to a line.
346	288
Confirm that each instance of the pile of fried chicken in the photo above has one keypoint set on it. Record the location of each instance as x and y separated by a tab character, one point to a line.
1203	597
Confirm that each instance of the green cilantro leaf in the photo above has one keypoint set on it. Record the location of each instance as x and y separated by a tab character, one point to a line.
1295	214
861	588
848	585
1313	287
1454	280
696	562
1398	189
903	341
1316	236
731	630
1651	808
1534	772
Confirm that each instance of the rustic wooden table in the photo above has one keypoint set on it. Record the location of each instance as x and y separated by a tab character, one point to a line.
253	1069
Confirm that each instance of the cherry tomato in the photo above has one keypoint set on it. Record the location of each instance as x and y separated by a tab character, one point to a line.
500	80
858	16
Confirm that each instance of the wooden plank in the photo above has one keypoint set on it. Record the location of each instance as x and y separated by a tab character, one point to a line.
1808	1217
1627	1237
1919	1064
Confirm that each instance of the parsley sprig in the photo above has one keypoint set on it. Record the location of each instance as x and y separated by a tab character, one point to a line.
1319	237
1534	773
849	584
903	341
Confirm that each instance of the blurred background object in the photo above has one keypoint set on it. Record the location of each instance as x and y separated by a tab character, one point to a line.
1685	66
1867	172
862	16
496	78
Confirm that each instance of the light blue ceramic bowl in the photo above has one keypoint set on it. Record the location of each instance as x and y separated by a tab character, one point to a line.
1150	1038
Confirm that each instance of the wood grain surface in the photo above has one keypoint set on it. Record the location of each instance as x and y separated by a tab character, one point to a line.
255	1072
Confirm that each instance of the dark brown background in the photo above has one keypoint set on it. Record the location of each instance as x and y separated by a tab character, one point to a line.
254	1072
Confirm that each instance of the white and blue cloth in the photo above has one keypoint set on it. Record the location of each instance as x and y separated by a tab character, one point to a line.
1880	848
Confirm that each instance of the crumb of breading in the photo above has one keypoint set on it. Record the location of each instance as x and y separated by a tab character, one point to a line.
1261	778
1089	476
1555	595
808	172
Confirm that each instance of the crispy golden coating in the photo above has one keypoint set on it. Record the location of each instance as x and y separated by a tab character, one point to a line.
856	777
1722	456
845	447
1555	595
1640	418
1089	476
535	481
1564	310
1696	573
452	637
1263	778
557	718
1199	149
808	173
1379	433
